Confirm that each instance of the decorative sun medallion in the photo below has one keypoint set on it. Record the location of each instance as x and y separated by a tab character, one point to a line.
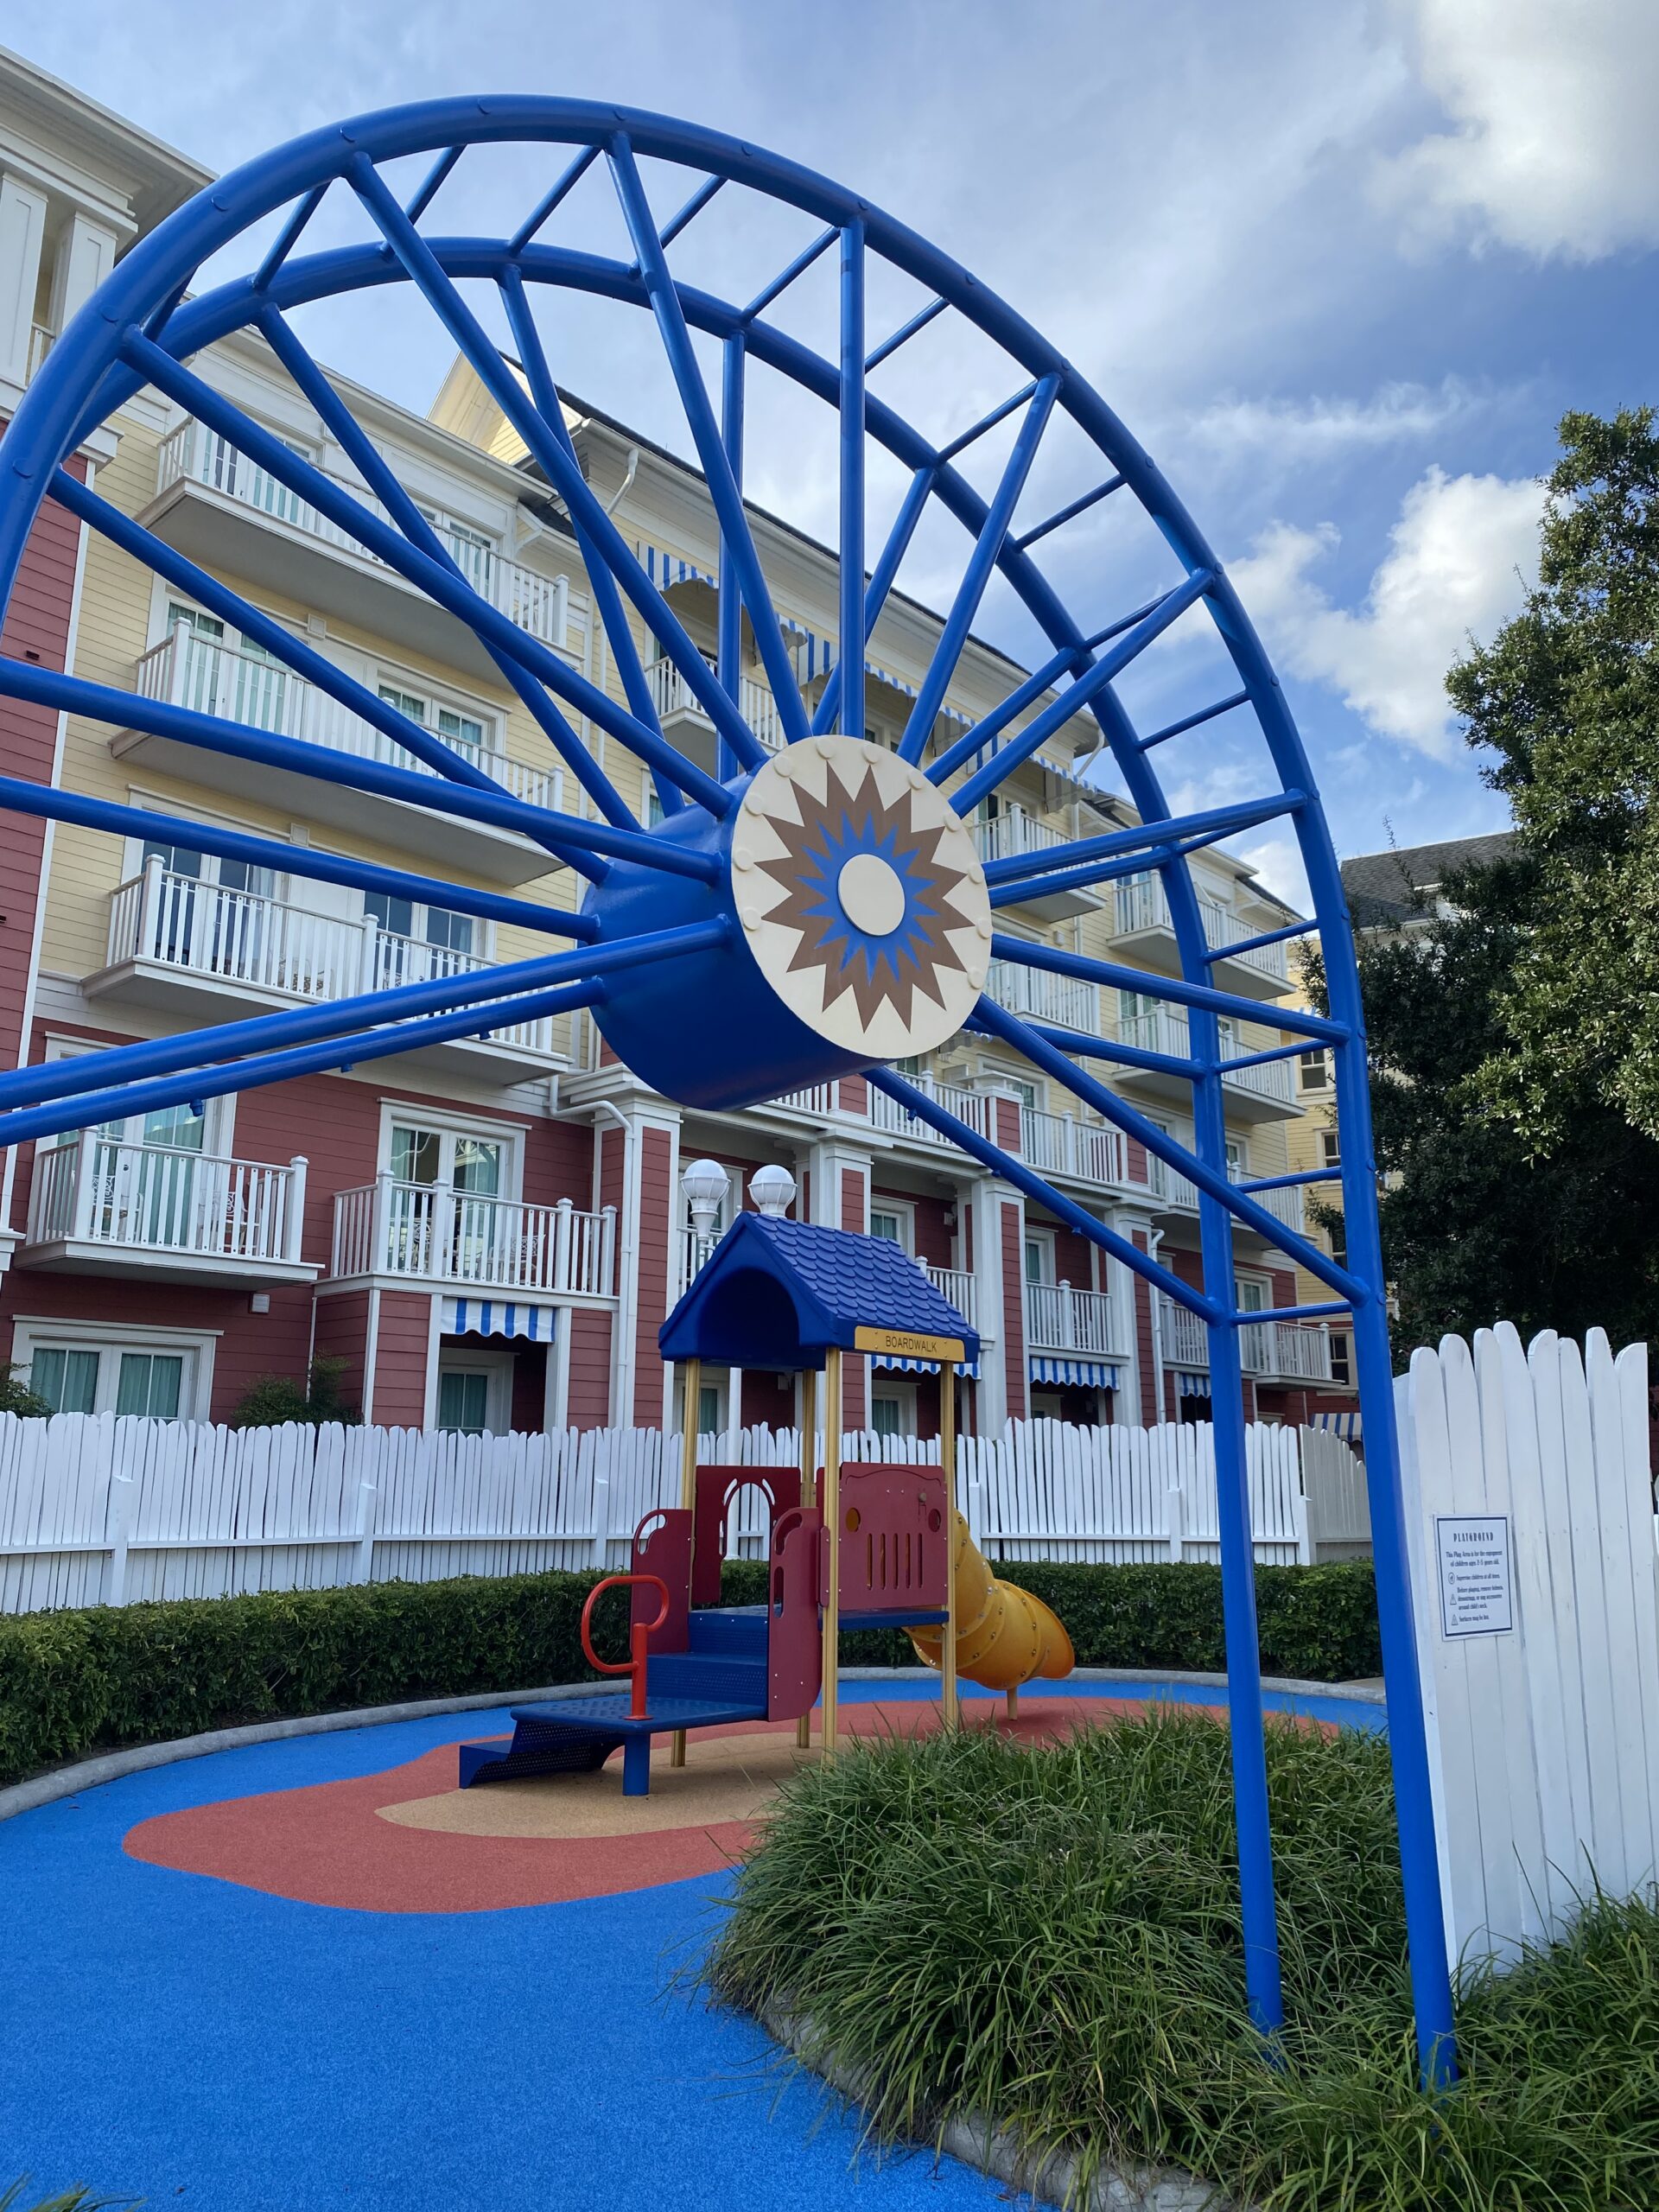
861	897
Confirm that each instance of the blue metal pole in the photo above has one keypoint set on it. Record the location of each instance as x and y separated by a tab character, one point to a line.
851	575
733	365
887	567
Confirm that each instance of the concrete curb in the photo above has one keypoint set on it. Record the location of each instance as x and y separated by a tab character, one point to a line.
1048	2180
110	1766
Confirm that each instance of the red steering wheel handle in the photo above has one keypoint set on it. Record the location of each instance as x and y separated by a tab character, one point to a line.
638	1633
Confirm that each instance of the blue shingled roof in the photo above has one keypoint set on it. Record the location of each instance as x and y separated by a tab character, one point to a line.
776	1294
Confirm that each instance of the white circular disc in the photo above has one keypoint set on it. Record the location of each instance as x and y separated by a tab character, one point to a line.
864	902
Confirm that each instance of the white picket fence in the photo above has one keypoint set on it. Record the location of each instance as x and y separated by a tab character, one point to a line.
1535	1585
100	1510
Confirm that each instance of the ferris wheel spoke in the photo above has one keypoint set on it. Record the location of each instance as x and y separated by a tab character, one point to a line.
1067	513
887	567
689	213
850	423
307	662
613	618
288	237
1015	1170
993	1020
1083	692
1148	844
1026	954
378	474
988	550
723	493
902	336
230	1043
53	803
428	187
457	597
563	186
1195	721
425	269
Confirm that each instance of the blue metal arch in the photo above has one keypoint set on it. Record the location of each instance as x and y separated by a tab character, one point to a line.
126	333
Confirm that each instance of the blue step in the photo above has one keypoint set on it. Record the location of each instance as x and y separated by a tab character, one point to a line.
732	1631
718	1677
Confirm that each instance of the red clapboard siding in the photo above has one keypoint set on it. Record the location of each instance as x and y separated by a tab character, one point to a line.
342	1333
1014	1311
400	1359
590	1405
651	1271
1145	1358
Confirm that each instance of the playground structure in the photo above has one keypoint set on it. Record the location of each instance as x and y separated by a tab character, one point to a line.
825	897
870	1546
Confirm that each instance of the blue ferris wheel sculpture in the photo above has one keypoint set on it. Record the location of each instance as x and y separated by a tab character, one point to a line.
809	909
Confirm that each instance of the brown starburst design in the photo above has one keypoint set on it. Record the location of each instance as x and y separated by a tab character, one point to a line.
878	971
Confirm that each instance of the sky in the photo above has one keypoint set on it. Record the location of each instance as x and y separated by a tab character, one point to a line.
1340	265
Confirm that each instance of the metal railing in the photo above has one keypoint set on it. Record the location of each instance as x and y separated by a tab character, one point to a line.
1164	1029
141	1198
1014	831
1060	1318
428	1232
970	1106
1141	904
1177	1190
1064	999
241	937
1294	1351
537	604
187	669
672	695
957	1285
1061	1145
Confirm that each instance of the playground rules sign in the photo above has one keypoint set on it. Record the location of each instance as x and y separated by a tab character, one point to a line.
1476	1592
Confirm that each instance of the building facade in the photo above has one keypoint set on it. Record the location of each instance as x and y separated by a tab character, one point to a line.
487	1234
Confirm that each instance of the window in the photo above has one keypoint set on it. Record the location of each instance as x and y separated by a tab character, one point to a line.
1249	1293
463	732
463	1402
217	672
1238	1165
1039	1256
893	1405
895	1223
1329	1148
1028	1093
1313	1070
78	1368
1342	1356
886	1415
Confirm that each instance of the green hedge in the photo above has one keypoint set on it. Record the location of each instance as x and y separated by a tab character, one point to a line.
73	1682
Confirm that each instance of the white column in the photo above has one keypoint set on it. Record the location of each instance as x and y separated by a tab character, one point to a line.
86	257
23	231
985	1197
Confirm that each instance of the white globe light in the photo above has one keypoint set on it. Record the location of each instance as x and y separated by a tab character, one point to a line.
773	1190
707	1187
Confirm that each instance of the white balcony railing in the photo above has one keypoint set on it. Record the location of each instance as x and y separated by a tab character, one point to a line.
1061	1145
1277	1351
41	342
1176	1190
1064	999
1060	1318
1164	1029
1013	832
165	1199
957	1285
672	695
1141	905
427	1232
189	670
536	603
970	1106
239	937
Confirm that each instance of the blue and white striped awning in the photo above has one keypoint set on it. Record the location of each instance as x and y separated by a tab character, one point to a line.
500	1317
1191	1386
1346	1426
1085	1373
664	568
814	657
969	1367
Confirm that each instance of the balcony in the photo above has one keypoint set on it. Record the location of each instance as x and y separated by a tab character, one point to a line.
1175	1191
429	1233
1061	1320
1269	1352
1083	1152
970	1106
688	725
1062	999
188	671
1142	926
1015	832
211	954
957	1285
98	1206
1259	1094
217	506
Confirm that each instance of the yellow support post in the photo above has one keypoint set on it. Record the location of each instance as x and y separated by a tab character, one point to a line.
832	1534
809	1496
950	1704
688	1490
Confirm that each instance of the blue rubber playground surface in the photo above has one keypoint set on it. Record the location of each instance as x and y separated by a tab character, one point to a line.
177	2038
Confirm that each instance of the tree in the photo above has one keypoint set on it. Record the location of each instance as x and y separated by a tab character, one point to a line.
271	1401
1515	1041
17	1398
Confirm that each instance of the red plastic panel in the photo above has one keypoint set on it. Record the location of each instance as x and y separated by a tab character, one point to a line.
794	1644
662	1546
893	1540
716	1487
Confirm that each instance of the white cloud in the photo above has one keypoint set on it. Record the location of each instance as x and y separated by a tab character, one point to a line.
1553	148
1321	431
1277	863
1455	567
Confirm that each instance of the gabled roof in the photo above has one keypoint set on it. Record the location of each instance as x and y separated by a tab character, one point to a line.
776	1294
1399	886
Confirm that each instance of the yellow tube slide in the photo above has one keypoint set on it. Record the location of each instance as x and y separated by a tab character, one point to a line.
1004	1636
